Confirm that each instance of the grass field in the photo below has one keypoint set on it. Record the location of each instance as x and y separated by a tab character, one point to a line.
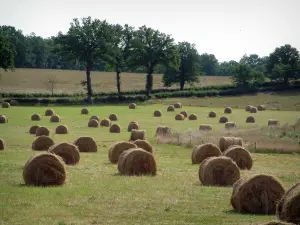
35	81
94	192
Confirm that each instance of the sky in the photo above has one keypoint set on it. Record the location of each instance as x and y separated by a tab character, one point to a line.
226	28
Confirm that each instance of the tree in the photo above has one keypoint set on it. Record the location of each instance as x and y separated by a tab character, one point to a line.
188	70
86	41
226	68
51	84
254	61
244	76
7	52
151	48
208	64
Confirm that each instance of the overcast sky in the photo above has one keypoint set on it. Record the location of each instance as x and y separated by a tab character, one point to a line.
226	28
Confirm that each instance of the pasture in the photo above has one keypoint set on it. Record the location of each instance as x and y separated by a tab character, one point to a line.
95	193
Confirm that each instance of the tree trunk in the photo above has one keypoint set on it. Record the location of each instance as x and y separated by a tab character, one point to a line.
181	81
286	80
119	83
149	80
89	85
181	85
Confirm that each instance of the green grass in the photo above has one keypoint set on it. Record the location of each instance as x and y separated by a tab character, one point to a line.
94	193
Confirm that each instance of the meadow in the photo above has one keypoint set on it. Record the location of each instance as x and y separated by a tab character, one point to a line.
95	193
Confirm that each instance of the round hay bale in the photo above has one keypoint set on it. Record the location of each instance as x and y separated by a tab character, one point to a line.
253	110
14	103
93	123
44	170
5	105
248	107
223	119
212	114
202	152
36	117
61	129
273	122
228	110
261	108
115	128
95	118
288	208
84	111
49	112
105	123
177	105
205	127
218	171
240	156
250	119
163	131
3	119
179	117
86	144
136	162
157	113
226	142
137	135
68	152
230	125
113	117
133	126
32	130
258	194
132	106
170	108
42	131
117	149
42	143
55	119
193	117
184	113
2	144
143	144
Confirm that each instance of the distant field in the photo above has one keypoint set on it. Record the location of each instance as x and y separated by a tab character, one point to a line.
34	81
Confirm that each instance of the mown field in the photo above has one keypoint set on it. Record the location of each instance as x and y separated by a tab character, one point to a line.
95	193
35	81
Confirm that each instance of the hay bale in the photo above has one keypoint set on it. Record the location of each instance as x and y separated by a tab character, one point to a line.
42	143
228	110
113	117
288	208
248	107
226	142
42	131
3	119
117	149
95	118
143	144
14	103
44	170
2	144
36	117
230	125
32	130
261	108
68	152
61	129
5	105
205	127
137	135
93	123
273	122
223	119
115	128
184	113
157	113
218	171
240	156
132	106
49	112
253	110
170	108
105	123
136	162
133	126
193	117
177	105
84	111
163	131
86	144
55	119
256	194
212	114
202	152
179	117
250	119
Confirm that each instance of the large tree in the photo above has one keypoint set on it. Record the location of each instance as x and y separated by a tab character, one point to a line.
7	52
86	41
208	64
226	68
244	76
188	70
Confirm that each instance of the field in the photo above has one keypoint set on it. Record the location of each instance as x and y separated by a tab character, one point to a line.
35	81
96	194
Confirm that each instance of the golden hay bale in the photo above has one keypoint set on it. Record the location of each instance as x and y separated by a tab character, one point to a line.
5	105
204	151
256	194
273	122
184	113
68	152
137	135
105	123
143	144
228	110
42	143
44	170
212	114
253	110
2	144
179	117
49	112
136	162
177	105
132	106
261	108
205	127
218	171
95	118
250	119
86	144
36	117
240	156
93	123
193	117
117	149
55	119
223	119
163	131
230	125
170	108
248	107
226	142
115	128
84	111
113	117
157	113
277	223
33	129
61	129
3	119
14	103
288	208
133	126
42	131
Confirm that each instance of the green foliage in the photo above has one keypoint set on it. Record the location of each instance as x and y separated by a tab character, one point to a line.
226	68
6	53
245	76
208	64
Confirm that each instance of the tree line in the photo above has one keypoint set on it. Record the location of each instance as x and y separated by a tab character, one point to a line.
92	45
